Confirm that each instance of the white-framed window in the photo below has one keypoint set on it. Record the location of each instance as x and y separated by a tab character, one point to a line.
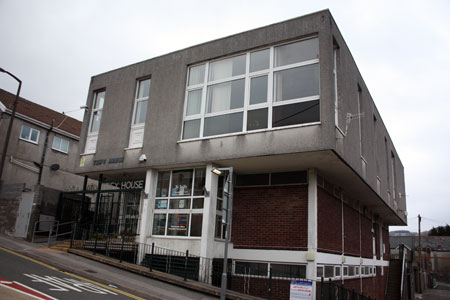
269	88
220	227
139	113
141	101
263	269
97	108
179	203
60	144
29	134
95	120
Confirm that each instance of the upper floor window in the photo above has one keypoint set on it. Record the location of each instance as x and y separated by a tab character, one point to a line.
60	144
141	101
29	134
259	90
99	99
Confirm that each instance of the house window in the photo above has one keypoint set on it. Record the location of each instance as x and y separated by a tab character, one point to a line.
139	113
29	134
60	144
259	90
179	203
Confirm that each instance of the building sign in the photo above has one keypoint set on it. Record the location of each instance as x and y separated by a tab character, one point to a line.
301	290
114	160
129	184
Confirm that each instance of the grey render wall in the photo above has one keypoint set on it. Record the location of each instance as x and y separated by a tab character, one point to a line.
369	128
27	153
162	144
165	110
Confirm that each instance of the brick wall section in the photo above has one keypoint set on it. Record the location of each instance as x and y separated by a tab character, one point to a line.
385	233
351	231
280	289
270	217
373	286
10	197
329	222
366	237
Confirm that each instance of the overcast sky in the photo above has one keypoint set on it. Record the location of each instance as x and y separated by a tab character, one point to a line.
402	49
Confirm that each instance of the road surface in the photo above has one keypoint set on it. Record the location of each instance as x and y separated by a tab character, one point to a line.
25	278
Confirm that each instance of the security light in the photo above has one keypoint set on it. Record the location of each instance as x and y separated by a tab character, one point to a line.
216	171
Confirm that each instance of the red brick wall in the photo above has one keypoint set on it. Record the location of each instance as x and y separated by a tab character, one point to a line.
329	222
352	231
366	237
270	217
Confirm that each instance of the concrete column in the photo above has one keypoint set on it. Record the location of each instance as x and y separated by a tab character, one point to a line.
209	221
209	213
312	229
146	213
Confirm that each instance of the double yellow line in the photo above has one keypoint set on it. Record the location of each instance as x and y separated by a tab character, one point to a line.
73	275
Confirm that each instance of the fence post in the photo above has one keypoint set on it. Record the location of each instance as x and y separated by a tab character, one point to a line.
330	290
121	248
73	236
151	256
270	282
342	291
186	265
321	288
353	294
95	242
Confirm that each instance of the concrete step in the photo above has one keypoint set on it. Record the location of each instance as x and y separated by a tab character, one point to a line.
63	246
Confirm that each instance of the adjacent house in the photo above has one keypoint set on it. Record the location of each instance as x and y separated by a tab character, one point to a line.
40	159
317	179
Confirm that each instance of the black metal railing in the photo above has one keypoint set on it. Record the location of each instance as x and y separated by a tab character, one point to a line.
328	290
272	285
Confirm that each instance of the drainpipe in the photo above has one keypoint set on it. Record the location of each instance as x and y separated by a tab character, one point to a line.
41	165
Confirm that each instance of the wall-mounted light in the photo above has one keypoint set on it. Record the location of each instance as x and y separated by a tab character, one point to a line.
216	171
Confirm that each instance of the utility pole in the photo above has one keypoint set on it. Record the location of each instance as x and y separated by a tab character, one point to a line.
11	120
420	255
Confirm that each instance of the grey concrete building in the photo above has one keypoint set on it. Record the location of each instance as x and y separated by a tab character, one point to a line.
318	179
40	161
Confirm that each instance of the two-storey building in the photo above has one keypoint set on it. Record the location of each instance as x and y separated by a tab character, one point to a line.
317	179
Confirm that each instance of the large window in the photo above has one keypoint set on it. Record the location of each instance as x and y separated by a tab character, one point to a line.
139	113
179	203
259	90
60	144
29	134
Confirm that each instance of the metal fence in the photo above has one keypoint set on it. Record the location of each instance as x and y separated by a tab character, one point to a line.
334	291
209	271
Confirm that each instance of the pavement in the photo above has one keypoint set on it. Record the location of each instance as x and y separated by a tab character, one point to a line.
441	292
132	278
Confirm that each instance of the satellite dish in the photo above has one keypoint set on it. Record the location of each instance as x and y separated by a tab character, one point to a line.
54	167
